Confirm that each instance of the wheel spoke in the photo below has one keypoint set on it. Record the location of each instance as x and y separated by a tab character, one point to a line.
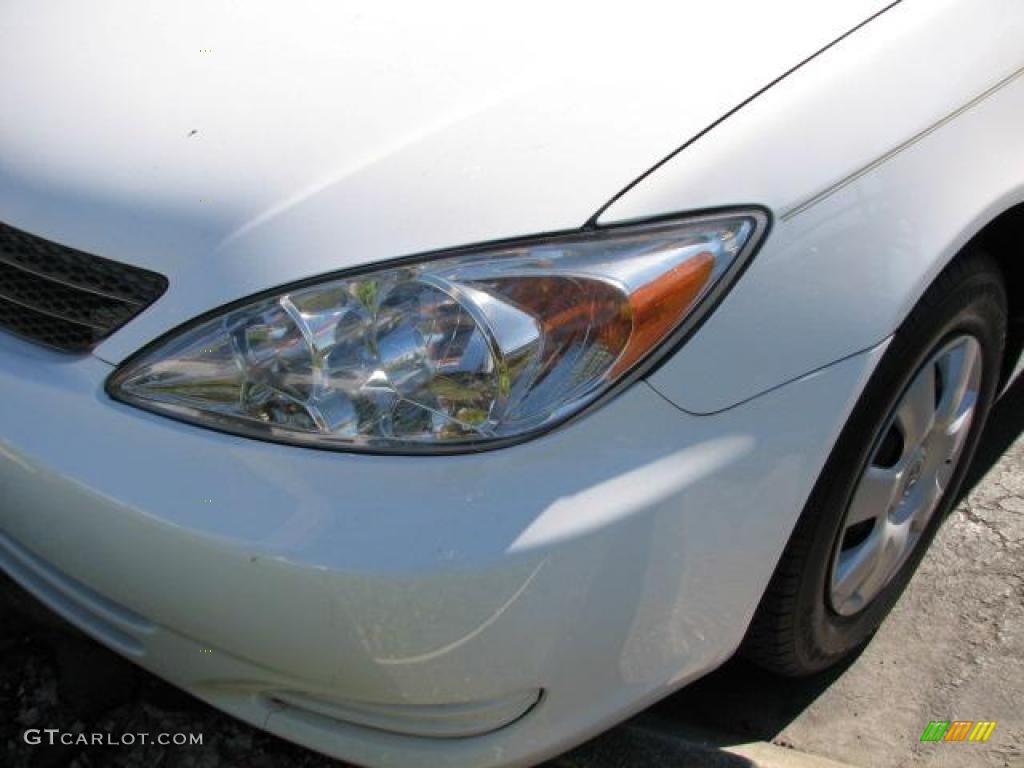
952	433
947	441
874	495
894	543
916	413
855	567
960	369
929	500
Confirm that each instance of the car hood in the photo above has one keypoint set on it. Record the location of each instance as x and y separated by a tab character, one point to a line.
235	146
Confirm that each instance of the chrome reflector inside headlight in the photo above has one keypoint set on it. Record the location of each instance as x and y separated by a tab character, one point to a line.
458	351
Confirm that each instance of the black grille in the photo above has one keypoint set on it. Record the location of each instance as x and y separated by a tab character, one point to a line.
65	298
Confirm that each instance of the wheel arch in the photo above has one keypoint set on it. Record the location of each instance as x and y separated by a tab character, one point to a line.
1003	239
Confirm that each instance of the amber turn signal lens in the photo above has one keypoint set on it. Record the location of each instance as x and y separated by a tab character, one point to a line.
658	306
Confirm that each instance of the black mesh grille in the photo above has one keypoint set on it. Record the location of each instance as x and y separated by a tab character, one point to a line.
66	298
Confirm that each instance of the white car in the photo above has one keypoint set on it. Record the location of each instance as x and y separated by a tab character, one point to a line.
439	384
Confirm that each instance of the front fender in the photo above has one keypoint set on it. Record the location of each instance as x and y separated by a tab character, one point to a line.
879	159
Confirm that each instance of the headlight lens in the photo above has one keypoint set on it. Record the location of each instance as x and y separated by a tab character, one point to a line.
457	352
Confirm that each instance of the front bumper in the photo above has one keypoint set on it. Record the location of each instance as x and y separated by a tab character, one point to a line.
604	564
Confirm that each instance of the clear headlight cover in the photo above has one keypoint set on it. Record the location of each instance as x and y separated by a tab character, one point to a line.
453	352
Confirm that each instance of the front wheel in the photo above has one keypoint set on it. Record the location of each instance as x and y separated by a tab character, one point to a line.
891	479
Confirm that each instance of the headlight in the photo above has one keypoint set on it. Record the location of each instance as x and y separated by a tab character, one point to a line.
459	351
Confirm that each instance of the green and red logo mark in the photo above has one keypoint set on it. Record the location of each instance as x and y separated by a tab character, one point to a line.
958	730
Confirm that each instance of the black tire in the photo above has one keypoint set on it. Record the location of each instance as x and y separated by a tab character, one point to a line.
795	630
